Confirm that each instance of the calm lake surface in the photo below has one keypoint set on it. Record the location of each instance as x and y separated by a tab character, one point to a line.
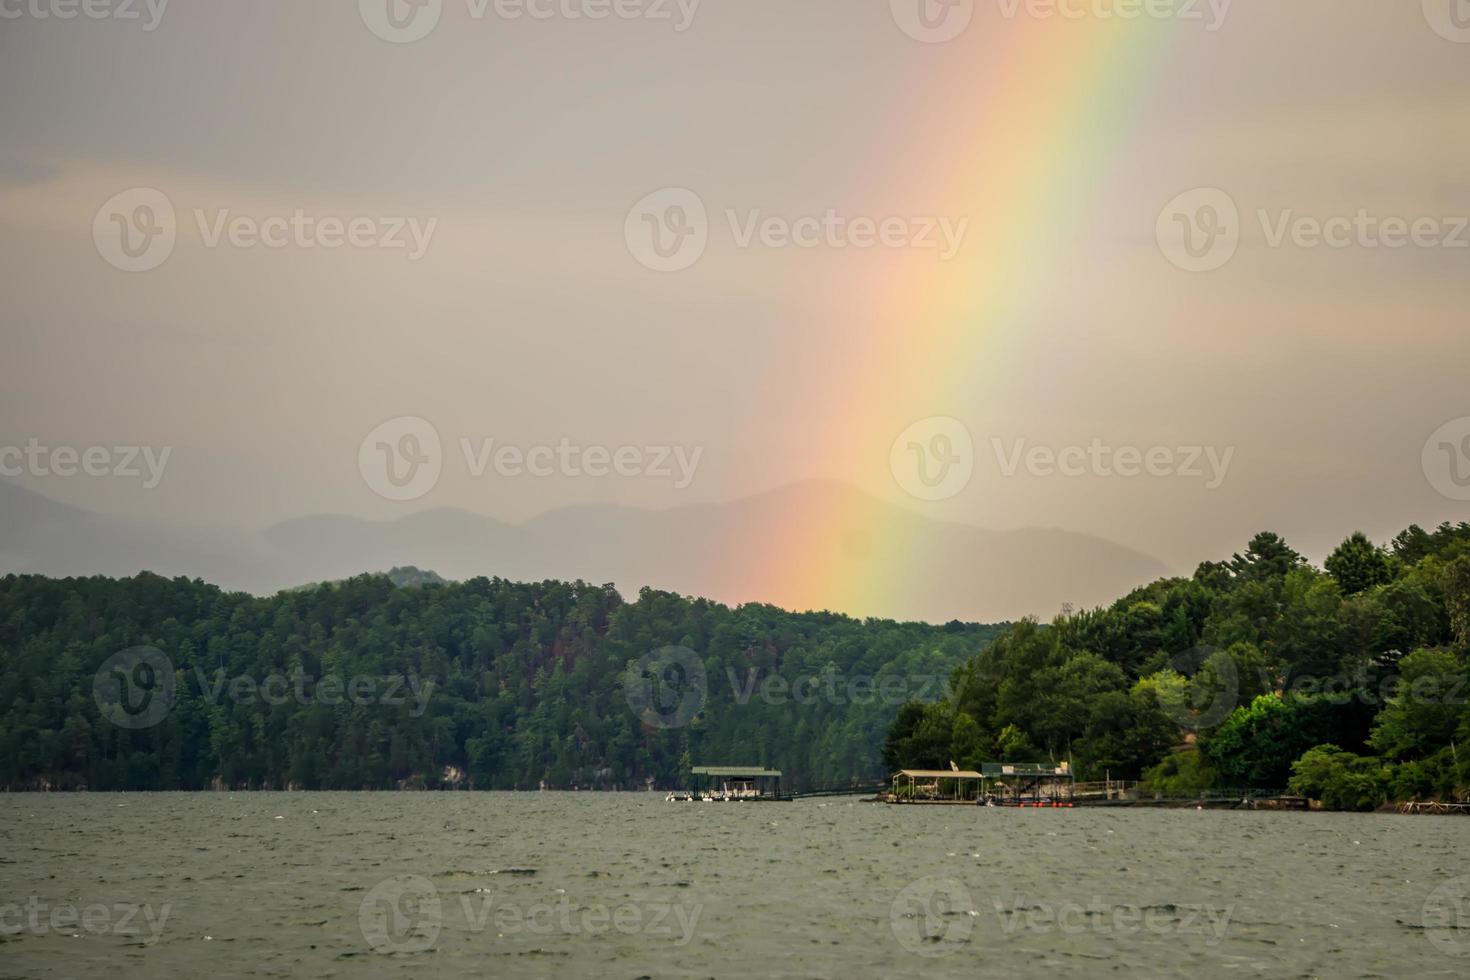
626	885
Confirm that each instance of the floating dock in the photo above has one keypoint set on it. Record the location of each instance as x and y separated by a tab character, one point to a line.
996	784
733	784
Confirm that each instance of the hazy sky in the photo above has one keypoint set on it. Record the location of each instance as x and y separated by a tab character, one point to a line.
519	146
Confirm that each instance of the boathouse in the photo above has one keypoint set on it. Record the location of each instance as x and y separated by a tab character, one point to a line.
935	786
736	784
1028	783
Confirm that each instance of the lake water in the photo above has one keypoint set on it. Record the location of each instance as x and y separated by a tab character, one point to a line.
624	885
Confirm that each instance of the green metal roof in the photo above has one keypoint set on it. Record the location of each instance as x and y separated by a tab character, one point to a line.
733	771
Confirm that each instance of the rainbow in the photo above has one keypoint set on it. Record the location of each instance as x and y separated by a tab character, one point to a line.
1019	123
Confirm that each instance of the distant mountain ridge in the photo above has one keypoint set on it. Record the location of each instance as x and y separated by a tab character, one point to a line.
727	551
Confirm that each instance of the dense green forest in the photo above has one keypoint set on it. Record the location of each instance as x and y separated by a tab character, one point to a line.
404	680
1347	684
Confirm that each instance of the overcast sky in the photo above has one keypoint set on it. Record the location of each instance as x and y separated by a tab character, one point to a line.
517	149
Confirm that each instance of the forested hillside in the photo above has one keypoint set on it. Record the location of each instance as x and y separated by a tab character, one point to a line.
1348	684
152	683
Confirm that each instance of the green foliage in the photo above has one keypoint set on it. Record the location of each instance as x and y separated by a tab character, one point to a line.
1230	676
1255	746
1422	715
1341	780
523	685
1180	774
1359	565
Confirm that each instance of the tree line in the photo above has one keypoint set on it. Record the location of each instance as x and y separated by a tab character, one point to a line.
407	681
1347	683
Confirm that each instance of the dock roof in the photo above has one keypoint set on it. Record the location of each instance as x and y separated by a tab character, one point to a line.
734	771
938	773
1024	769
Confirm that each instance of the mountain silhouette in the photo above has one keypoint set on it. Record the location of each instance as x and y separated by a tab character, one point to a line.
751	549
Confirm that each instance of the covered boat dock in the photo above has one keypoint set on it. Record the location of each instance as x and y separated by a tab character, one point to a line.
935	786
733	784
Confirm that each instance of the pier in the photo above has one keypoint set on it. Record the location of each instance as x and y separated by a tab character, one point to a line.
733	784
